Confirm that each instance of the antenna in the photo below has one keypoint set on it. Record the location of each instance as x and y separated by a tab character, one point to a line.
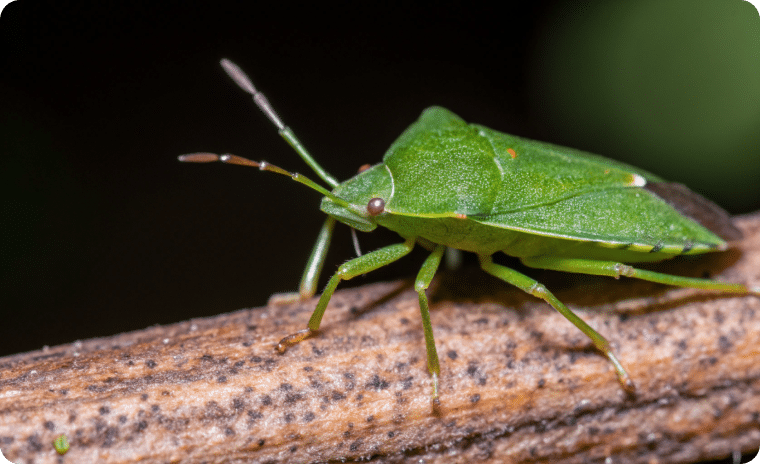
266	166
244	82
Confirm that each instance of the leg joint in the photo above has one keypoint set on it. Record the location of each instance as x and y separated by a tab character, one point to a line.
343	272
623	270
539	290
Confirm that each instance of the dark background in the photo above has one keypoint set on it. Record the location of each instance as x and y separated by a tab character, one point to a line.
103	231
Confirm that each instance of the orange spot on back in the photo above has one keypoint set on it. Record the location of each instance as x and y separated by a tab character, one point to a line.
460	216
364	167
512	153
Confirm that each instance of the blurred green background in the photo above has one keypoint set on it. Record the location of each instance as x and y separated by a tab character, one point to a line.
672	86
104	231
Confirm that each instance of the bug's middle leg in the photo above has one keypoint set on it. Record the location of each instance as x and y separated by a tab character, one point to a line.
349	269
531	286
422	282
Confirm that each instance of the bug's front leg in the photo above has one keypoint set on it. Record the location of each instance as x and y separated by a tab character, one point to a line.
313	269
348	270
531	286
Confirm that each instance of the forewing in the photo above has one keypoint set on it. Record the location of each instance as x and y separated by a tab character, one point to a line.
697	208
538	173
626	218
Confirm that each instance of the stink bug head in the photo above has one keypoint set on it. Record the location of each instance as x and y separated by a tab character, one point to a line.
360	191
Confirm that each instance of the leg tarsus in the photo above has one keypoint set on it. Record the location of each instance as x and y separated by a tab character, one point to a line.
625	380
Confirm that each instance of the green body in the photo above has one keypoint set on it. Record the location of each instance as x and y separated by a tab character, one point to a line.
545	201
445	183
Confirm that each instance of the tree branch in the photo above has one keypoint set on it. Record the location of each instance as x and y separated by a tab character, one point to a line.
519	383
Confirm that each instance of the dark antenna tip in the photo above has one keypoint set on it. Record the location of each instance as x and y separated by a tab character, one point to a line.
198	158
244	82
237	75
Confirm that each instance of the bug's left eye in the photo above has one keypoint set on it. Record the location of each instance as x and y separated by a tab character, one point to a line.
375	206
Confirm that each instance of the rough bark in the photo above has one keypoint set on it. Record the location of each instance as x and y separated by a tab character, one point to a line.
519	383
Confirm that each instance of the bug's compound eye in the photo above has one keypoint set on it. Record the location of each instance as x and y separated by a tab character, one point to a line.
364	167
375	206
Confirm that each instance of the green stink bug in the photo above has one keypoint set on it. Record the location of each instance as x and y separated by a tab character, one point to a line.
446	183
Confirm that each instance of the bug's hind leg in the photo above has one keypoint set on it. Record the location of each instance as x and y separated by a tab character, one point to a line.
313	268
422	282
614	269
531	286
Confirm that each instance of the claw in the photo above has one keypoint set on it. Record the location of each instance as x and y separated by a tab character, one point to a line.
294	339
628	385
